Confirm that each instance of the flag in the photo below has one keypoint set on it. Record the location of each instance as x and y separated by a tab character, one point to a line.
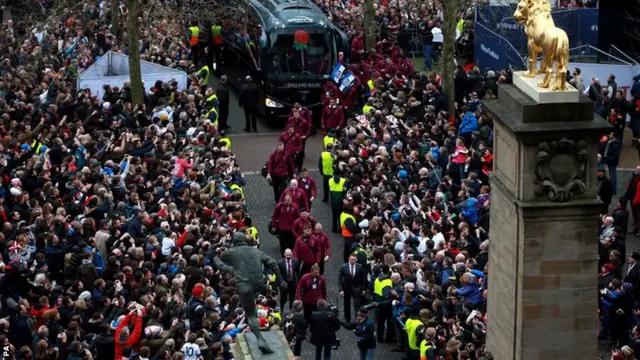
226	192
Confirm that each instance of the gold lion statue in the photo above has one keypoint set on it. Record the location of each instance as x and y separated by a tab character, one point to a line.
543	36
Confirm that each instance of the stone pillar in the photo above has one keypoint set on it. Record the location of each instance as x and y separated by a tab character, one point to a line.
544	224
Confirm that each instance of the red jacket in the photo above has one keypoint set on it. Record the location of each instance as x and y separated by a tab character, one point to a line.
37	313
304	113
309	186
302	125
133	337
357	46
284	216
351	97
405	66
322	244
311	289
280	164
636	199
305	250
292	143
300	223
330	88
332	118
298	197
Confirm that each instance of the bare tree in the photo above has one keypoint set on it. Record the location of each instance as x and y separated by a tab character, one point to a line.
134	8
448	62
370	28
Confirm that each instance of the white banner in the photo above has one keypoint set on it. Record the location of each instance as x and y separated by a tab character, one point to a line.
624	74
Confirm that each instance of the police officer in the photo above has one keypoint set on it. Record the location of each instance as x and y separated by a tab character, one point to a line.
252	231
337	190
348	227
203	74
326	169
414	326
329	139
224	139
382	287
215	53
194	40
427	345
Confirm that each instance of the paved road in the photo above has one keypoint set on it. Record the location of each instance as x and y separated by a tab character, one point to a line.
252	150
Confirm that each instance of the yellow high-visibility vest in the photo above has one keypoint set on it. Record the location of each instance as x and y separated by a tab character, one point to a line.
460	26
371	85
380	285
328	140
253	232
213	111
226	142
206	77
343	219
327	163
411	325
424	347
194	35
236	187
336	187
212	97
216	34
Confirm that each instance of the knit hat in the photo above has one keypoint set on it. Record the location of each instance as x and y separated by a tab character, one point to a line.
198	289
608	267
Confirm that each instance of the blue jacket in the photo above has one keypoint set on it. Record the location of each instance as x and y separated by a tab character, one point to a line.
470	211
471	293
609	300
469	123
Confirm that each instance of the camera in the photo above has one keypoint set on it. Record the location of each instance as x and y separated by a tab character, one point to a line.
334	309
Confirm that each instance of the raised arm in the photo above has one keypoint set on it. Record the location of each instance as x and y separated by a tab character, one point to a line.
220	265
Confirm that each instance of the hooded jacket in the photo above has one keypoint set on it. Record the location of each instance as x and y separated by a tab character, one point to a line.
470	211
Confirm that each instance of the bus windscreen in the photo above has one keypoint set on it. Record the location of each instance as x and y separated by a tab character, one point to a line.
287	61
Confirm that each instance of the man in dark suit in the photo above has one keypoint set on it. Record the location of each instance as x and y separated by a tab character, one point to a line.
632	274
249	98
352	279
222	91
290	270
605	190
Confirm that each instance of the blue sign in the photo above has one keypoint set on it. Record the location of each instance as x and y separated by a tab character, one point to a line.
581	25
338	72
347	81
494	52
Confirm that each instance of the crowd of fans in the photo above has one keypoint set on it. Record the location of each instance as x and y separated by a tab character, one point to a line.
407	184
414	25
112	213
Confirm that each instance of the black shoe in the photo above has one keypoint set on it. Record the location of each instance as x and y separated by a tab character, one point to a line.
325	200
390	341
226	127
255	129
246	129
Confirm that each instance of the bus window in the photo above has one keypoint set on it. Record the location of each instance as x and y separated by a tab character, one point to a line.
285	62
